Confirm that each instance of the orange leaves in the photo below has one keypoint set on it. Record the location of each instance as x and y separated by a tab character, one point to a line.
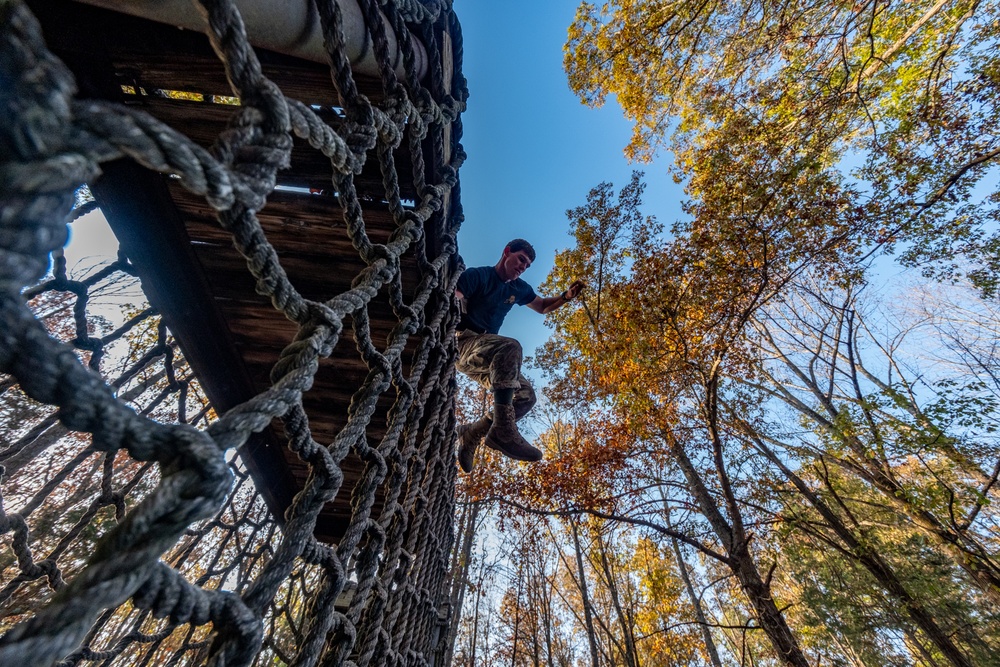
582	461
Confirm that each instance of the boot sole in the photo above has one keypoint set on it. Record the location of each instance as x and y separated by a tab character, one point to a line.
530	458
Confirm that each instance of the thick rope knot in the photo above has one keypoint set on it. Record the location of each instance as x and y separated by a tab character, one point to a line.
30	569
165	595
316	553
397	105
360	138
389	128
452	108
117	499
321	314
416	11
263	156
254	154
458	157
433	115
312	343
413	225
267	98
240	632
376	252
49	569
307	125
448	175
11	522
431	198
424	103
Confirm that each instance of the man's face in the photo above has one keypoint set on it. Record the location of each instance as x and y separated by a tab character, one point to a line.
513	264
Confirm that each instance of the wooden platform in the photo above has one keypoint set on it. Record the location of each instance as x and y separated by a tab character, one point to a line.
189	268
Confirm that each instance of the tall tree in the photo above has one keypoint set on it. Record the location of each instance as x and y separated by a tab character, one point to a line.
664	336
856	542
876	427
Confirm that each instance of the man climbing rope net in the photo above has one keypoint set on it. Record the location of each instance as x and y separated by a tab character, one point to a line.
486	294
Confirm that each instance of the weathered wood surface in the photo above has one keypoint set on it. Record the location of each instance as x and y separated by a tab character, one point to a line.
108	50
309	168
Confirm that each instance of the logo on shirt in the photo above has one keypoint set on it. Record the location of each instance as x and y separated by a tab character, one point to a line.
512	299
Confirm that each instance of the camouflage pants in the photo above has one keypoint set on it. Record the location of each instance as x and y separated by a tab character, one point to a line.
495	362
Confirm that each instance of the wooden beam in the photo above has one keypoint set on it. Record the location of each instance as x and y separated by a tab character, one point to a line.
149	228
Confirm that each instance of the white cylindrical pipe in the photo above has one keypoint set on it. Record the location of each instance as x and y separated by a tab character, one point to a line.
291	27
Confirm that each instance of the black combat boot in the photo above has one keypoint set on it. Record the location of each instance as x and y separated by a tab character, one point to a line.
503	435
469	437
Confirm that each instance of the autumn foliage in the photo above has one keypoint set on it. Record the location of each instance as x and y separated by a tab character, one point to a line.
731	388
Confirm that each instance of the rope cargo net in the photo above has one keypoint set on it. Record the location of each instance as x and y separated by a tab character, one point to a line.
130	530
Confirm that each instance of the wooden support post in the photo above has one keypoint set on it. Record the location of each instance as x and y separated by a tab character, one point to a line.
149	228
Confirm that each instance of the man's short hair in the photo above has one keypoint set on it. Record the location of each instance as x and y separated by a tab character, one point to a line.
520	245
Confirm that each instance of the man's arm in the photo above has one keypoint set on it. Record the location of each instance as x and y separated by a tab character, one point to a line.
545	305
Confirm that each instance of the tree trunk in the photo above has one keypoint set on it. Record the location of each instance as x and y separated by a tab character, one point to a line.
874	563
547	617
474	641
964	551
517	614
631	655
585	596
918	646
699	613
742	564
460	574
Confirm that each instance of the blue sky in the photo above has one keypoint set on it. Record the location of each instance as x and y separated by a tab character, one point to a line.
534	149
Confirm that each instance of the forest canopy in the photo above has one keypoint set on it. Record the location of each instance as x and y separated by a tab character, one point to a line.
898	99
800	459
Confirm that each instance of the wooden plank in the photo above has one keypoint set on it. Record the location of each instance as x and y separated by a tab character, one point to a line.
315	276
297	216
202	122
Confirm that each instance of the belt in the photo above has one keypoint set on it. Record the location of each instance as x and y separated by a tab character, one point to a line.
465	326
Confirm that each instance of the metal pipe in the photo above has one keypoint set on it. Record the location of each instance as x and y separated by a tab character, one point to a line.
291	28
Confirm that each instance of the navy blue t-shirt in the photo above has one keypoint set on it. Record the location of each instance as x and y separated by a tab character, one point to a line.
488	299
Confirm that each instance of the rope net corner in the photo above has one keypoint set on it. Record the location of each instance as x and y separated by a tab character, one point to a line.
130	529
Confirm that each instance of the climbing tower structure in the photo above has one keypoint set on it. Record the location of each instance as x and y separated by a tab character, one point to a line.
249	461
